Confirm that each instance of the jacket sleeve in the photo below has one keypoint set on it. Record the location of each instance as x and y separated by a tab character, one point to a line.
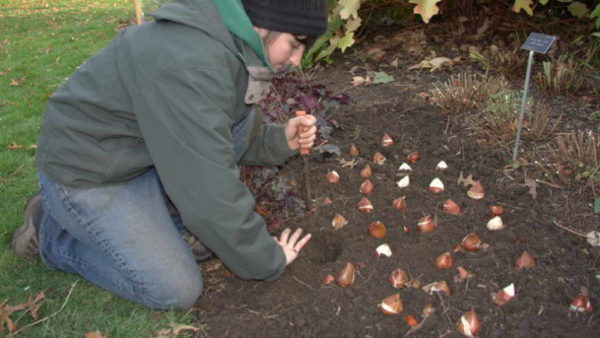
269	147
188	135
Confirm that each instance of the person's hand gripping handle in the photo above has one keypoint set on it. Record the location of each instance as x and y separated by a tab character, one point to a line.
303	150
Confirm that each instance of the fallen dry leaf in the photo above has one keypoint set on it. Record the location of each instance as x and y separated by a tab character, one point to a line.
16	82
5	320
14	146
530	182
175	330
466	181
347	164
95	334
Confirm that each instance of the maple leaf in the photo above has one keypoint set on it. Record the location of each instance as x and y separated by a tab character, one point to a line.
349	8
426	8
524	5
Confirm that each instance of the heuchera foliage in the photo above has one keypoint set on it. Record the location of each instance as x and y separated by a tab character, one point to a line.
277	198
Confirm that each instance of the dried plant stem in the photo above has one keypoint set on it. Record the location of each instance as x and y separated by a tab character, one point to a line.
50	316
566	228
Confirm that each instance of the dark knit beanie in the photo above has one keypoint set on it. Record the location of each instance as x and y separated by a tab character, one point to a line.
297	17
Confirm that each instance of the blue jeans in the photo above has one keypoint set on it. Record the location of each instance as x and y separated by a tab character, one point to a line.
123	238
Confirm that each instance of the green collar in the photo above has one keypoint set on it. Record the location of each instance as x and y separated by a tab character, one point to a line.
238	23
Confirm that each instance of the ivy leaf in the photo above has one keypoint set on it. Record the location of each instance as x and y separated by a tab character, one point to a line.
382	77
543	2
349	8
425	8
523	5
596	14
577	9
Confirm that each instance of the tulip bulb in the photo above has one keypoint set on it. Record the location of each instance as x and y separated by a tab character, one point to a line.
451	208
383	250
404	167
495	224
413	157
328	280
386	140
378	158
365	205
524	261
476	191
496	210
398	278
426	224
391	305
468	325
346	277
399	203
403	182
471	242
366	171
353	150
444	261
581	303
366	187
436	186
333	177
338	222
501	297
437	287
377	230
410	321
441	166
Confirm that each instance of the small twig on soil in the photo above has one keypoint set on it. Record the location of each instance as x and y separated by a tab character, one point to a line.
418	326
50	316
552	185
301	282
447	125
575	232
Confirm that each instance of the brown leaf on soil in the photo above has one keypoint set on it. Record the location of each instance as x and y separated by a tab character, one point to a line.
530	182
466	181
95	334
345	163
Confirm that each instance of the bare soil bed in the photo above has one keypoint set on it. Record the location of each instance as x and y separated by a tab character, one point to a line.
298	305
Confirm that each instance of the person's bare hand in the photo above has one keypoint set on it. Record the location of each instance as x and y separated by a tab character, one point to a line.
291	245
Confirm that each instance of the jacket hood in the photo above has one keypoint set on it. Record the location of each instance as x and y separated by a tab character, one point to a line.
216	19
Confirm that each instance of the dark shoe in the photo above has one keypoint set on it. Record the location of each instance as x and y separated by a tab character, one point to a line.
25	242
201	252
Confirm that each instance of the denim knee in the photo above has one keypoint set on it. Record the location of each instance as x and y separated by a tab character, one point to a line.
176	291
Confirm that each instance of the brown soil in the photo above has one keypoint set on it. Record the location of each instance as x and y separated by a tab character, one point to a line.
297	305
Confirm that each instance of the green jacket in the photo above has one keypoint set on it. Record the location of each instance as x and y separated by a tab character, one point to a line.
171	94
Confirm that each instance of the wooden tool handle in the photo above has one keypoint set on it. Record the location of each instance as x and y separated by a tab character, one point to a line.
303	151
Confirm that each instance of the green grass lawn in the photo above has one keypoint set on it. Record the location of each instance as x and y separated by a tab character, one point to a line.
41	43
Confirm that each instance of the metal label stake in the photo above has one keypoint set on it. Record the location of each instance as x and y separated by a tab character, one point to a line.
535	43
